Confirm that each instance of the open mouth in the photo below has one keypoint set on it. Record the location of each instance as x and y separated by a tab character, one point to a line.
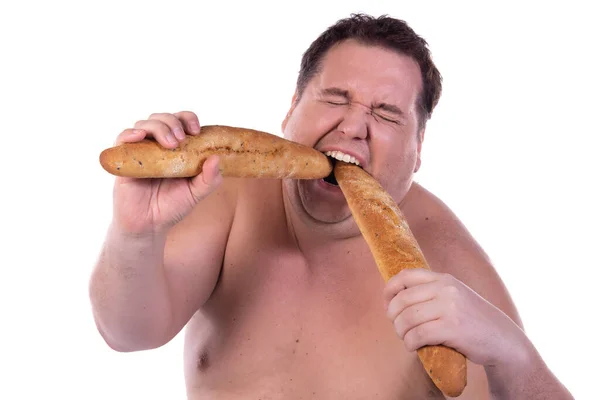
331	177
336	156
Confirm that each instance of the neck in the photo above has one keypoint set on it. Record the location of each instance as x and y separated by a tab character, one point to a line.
309	232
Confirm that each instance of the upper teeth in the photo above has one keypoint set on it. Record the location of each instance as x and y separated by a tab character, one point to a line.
338	155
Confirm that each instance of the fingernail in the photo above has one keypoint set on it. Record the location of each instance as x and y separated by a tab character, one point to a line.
171	139
138	131
194	127
179	134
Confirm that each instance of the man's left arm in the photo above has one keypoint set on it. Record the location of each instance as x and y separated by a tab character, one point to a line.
471	311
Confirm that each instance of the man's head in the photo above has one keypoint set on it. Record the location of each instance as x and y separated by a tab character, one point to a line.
381	31
366	88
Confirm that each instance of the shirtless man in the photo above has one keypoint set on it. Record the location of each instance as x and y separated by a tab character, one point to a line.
278	291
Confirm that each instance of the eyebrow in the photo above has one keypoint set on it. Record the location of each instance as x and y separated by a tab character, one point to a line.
335	91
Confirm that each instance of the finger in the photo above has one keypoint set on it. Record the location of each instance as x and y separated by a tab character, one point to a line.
130	135
411	296
172	122
427	334
416	315
206	182
190	122
159	130
405	279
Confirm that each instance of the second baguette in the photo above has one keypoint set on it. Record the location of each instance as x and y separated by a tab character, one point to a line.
394	248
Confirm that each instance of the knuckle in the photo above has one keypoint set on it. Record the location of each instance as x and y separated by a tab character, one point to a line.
451	311
187	115
390	290
450	291
166	118
400	327
410	315
395	308
447	277
452	319
391	313
401	303
410	340
398	281
416	337
156	115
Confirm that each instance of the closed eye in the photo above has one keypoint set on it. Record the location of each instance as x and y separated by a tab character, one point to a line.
387	119
389	113
335	96
336	103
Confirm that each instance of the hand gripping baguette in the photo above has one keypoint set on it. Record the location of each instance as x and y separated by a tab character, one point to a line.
394	248
242	153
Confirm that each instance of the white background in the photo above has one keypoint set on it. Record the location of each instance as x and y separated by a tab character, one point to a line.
512	149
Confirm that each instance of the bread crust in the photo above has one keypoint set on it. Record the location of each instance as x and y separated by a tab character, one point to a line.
244	153
394	249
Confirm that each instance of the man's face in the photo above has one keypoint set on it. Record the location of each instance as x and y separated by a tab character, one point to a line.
364	104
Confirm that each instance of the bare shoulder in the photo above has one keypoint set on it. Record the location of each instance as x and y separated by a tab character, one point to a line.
449	247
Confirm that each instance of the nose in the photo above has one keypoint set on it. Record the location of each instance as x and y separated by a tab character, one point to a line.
354	121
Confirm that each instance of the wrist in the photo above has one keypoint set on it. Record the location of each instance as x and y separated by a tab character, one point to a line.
126	249
516	360
507	376
120	234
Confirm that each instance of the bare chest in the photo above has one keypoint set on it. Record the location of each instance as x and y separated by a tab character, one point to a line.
287	325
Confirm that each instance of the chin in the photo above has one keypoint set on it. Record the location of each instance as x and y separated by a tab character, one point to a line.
319	201
323	202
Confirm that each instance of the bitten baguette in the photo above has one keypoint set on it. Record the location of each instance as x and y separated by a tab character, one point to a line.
394	248
243	153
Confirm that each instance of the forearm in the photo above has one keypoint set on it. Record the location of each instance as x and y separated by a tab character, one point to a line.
527	379
129	292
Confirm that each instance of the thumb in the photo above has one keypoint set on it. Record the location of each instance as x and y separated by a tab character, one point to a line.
207	181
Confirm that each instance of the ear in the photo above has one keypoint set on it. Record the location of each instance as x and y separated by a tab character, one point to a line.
420	138
290	111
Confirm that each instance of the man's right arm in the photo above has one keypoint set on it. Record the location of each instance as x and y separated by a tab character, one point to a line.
145	288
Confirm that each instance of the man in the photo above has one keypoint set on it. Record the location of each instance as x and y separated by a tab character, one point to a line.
278	289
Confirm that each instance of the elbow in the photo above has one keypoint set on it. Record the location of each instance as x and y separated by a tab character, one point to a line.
127	348
130	345
124	342
125	334
120	348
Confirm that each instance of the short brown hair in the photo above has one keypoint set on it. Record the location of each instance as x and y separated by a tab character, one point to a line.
383	31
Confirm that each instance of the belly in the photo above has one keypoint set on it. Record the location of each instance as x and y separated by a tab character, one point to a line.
300	337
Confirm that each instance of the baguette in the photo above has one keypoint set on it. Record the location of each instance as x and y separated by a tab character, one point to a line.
394	248
244	153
